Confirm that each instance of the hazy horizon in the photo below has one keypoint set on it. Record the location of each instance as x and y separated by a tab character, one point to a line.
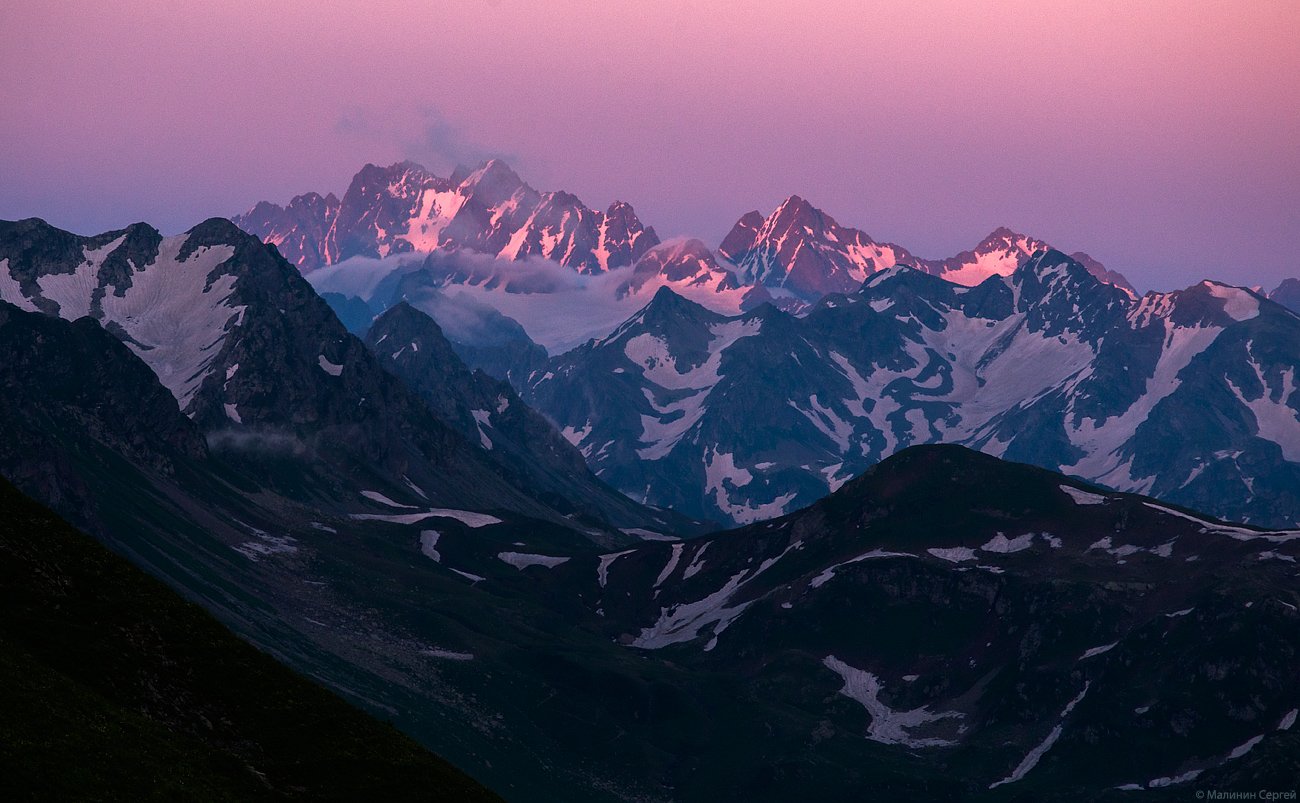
1156	137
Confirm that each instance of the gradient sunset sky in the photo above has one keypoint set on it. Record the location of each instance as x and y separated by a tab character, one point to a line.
1161	137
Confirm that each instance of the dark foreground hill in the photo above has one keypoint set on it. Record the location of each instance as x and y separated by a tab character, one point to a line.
113	687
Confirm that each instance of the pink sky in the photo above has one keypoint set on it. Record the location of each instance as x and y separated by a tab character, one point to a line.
1161	137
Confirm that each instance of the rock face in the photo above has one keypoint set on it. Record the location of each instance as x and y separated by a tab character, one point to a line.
793	257
300	230
945	626
1188	396
1030	635
261	366
691	269
487	411
403	208
1287	294
114	685
338	505
76	403
802	250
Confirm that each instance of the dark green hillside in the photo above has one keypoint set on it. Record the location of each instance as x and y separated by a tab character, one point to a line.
113	687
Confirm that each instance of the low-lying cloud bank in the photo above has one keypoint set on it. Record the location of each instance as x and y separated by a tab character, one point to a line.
468	293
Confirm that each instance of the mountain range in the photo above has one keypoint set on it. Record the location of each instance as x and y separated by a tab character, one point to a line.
1188	396
314	520
1063	624
798	252
981	630
371	468
802	250
262	368
404	208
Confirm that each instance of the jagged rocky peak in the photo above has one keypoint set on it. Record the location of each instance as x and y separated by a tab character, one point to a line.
668	314
667	304
800	248
214	231
804	252
1287	294
679	258
394	187
896	275
795	210
398	318
1103	273
793	217
314	200
1001	253
743	234
622	214
623	238
405	337
405	174
172	300
202	309
1048	364
688	267
412	344
299	230
492	183
1058	293
404	208
1047	265
1215	303
1003	238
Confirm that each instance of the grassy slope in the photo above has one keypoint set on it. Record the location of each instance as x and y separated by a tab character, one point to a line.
112	687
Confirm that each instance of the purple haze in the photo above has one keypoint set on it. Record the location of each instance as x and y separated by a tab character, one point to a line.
1159	137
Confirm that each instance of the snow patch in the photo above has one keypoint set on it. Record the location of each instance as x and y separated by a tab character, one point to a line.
466	517
329	367
1242	749
684	622
602	569
697	562
1172	780
482	418
829	574
576	436
1089	653
1031	760
265	544
953	554
522	560
429	544
648	535
1082	497
447	655
887	726
1239	304
1288	720
1000	544
376	496
672	564
1275	420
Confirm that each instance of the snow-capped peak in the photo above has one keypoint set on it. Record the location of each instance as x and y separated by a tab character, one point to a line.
403	208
